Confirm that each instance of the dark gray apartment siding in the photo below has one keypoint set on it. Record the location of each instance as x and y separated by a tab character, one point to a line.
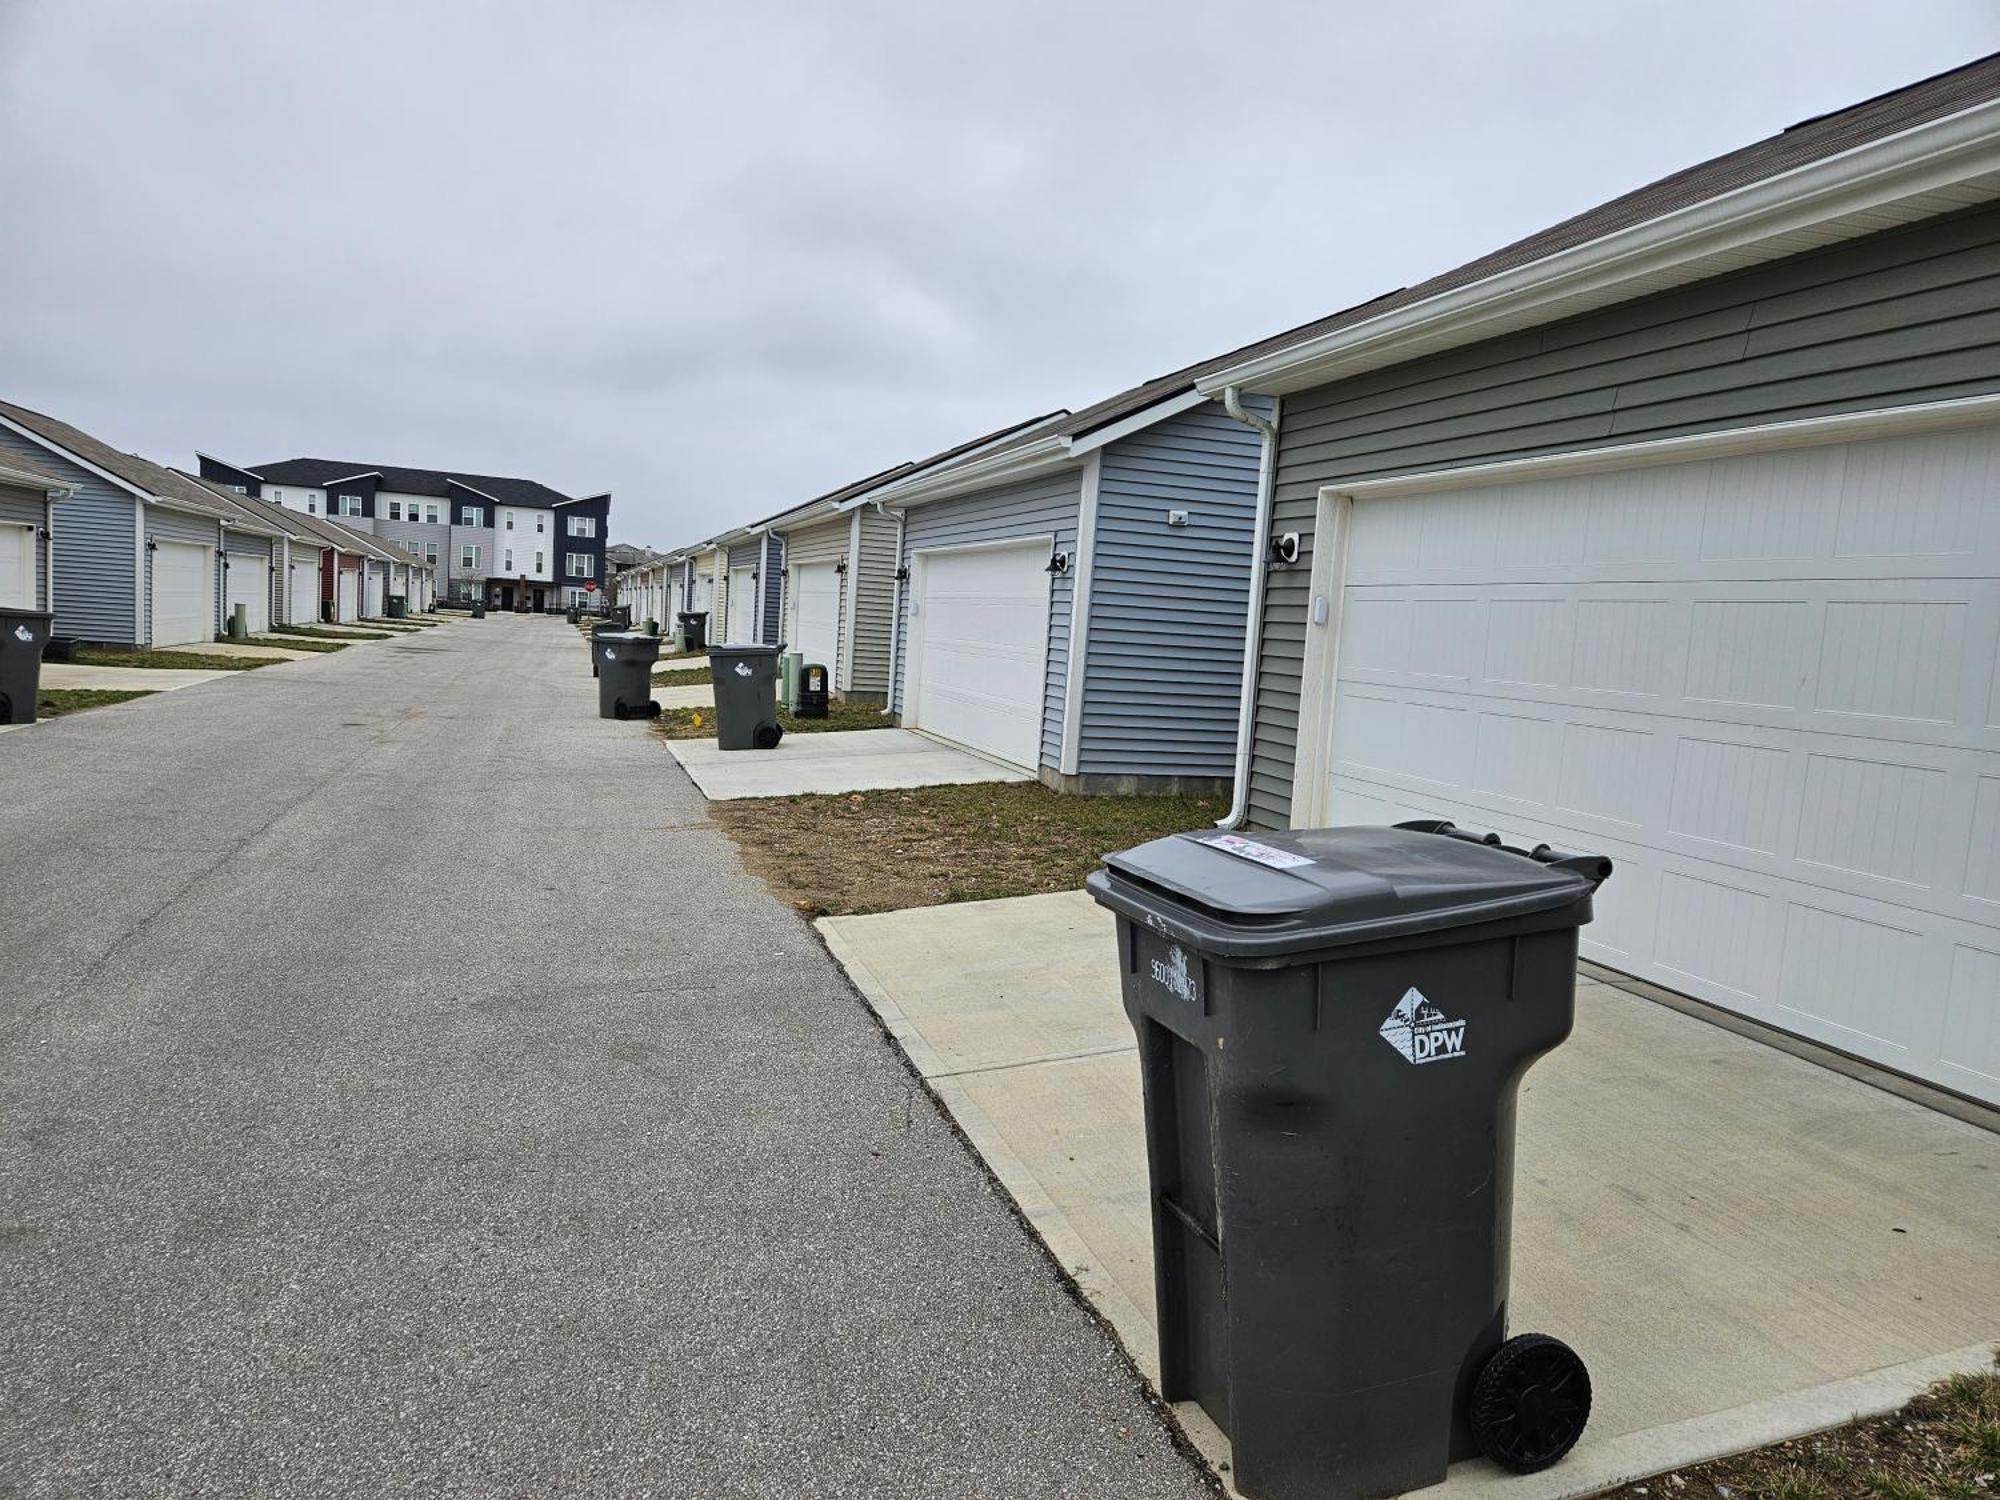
1906	316
163	525
1163	677
96	548
1045	506
19	507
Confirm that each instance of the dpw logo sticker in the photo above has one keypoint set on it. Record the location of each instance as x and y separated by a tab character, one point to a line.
1172	974
1417	1029
742	669
23	634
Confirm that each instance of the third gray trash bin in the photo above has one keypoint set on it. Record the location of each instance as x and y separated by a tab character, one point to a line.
625	673
23	635
1332	1025
746	696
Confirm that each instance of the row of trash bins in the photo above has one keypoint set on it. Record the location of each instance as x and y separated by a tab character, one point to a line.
745	678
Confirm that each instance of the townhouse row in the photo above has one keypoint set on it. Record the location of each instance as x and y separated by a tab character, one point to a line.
1671	531
127	552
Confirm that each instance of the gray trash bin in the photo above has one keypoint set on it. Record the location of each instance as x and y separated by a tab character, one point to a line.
599	627
23	635
625	673
1332	1025
479	609
746	696
399	606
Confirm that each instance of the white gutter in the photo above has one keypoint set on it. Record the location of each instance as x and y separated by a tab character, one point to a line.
895	616
45	484
1937	154
1079	620
1253	624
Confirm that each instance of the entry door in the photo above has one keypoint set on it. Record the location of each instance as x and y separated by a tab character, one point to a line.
978	648
183	596
249	584
374	594
17	567
816	614
302	602
1767	686
742	606
349	593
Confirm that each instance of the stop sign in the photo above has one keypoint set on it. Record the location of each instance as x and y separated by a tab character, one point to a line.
590	586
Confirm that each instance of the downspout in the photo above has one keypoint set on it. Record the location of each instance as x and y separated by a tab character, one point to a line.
1253	629
895	618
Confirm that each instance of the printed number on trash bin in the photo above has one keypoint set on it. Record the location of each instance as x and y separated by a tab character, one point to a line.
1173	975
1419	1030
1263	854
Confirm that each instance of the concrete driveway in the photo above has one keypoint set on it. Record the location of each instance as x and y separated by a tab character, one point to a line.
854	760
407	1092
1743	1245
70	674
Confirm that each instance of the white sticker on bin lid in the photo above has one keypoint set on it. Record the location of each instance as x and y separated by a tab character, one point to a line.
1263	854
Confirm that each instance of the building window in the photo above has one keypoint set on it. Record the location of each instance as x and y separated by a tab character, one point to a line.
277	494
431	514
430	552
541	523
475	515
510	520
583	526
538	561
395	510
468	558
508	566
312	506
239	489
577	565
350	505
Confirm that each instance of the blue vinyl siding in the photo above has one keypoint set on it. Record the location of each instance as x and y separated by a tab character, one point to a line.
96	548
1164	653
176	526
774	589
1045	506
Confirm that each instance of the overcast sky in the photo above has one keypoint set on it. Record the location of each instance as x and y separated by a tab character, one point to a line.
720	258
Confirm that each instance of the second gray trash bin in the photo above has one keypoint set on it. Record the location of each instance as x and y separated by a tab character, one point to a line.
1332	1025
624	661
746	696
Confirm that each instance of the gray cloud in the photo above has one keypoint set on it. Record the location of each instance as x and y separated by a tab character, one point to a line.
721	258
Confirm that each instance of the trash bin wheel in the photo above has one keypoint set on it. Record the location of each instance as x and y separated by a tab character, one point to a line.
652	710
619	710
768	735
1530	1403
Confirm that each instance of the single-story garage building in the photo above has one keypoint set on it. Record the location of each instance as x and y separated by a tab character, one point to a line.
1073	590
28	498
143	556
1673	533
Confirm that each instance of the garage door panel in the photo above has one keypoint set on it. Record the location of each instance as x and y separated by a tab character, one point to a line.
1784	735
248	582
17	567
183	608
981	643
816	614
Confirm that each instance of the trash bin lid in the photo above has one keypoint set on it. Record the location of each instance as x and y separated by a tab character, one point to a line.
1235	896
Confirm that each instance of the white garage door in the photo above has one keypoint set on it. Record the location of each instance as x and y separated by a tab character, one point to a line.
1767	686
183	596
742	606
17	566
350	593
248	582
977	648
816	614
704	596
302	603
374	586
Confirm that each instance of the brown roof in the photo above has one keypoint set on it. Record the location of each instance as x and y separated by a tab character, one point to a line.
142	474
1808	141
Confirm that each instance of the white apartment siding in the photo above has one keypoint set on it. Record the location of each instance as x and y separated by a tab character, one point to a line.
526	543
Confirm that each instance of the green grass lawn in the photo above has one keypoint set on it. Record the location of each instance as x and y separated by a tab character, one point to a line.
173	661
297	643
53	703
699	723
317	633
682	677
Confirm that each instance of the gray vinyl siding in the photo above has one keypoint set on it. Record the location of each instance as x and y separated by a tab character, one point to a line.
872	588
1906	316
476	536
164	525
96	551
1045	506
817	545
398	532
20	507
1163	677
774	589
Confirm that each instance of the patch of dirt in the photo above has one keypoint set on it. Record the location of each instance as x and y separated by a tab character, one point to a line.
883	851
699	723
1945	1445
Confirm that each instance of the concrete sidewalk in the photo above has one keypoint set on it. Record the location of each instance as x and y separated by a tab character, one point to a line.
368	1134
1743	1245
257	649
856	760
70	674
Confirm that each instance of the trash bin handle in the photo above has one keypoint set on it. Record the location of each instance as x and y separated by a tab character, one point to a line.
1596	868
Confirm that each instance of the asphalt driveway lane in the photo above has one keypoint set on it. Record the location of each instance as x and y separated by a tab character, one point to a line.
403	1088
